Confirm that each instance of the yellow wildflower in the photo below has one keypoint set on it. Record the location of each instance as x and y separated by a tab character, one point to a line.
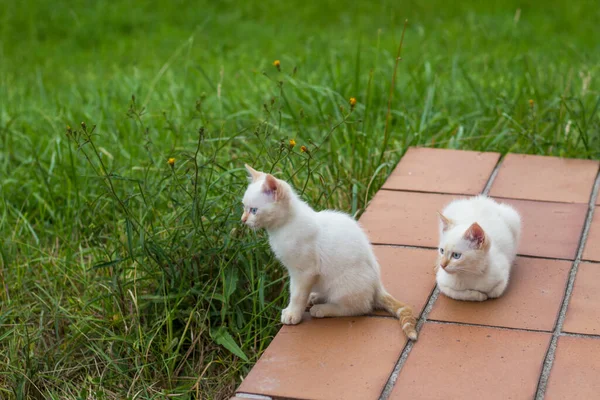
352	102
277	64
303	149
292	142
171	162
531	103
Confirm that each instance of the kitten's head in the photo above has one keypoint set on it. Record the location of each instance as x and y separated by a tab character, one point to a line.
462	248
266	201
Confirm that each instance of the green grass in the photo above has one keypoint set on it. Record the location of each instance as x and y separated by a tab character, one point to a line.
122	277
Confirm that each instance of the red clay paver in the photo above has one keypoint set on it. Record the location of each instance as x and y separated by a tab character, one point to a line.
545	178
591	250
583	312
332	358
442	171
407	274
469	362
404	218
549	229
576	369
531	301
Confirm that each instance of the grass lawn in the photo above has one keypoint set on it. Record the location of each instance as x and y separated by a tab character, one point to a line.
122	276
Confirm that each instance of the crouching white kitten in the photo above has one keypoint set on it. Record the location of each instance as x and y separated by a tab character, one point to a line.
478	244
330	261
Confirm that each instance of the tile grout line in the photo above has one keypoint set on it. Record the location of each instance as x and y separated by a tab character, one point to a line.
490	182
502	328
387	390
549	358
590	261
471	194
580	335
391	382
415	247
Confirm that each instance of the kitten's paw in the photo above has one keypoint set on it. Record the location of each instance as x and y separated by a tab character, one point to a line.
317	311
289	317
314	298
479	296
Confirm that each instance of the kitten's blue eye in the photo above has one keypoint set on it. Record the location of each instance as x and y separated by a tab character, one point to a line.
456	256
441	251
253	210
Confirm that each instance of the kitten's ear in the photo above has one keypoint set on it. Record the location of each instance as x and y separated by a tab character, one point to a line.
446	223
254	174
476	236
272	187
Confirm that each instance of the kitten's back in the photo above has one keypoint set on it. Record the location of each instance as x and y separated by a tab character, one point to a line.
341	238
339	228
512	218
500	221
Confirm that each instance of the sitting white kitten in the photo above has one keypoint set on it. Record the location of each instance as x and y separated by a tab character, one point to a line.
478	244
329	258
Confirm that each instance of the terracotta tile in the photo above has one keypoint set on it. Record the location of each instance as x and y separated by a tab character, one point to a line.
591	250
545	178
550	229
574	374
404	218
332	358
442	171
468	362
582	312
531	301
407	274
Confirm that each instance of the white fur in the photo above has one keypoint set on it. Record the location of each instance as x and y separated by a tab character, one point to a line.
328	257
484	272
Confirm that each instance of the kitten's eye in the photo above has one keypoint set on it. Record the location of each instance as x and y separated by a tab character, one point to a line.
253	210
441	251
456	256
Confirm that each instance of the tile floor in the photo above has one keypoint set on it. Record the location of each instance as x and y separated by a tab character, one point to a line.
540	340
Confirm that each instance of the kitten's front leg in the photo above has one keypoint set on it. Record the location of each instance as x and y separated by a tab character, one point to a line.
300	285
470	295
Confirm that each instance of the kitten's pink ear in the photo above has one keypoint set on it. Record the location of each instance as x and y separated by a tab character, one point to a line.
254	174
476	236
271	186
446	223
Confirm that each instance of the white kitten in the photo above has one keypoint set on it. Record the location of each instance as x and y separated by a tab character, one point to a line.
329	258
478	244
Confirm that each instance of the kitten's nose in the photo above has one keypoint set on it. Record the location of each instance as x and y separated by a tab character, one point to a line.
244	217
444	264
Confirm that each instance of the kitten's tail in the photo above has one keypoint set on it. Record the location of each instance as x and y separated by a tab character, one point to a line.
402	311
